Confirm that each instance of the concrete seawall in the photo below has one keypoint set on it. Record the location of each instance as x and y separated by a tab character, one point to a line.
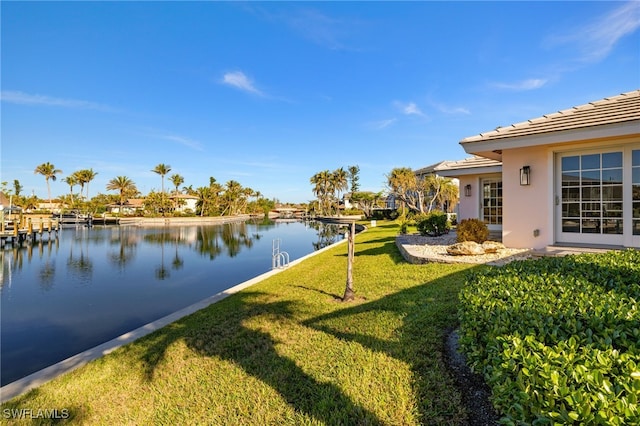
182	221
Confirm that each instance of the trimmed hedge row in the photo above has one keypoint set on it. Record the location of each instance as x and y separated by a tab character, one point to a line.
557	339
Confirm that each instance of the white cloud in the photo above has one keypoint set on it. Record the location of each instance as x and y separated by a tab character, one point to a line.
382	124
452	110
409	108
182	141
595	40
240	81
530	84
331	32
412	108
21	98
319	28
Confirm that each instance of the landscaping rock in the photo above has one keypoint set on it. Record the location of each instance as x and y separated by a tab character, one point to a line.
465	248
492	246
420	249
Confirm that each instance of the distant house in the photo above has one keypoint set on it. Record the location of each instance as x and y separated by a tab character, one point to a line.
55	206
184	203
491	170
347	201
132	207
391	203
571	177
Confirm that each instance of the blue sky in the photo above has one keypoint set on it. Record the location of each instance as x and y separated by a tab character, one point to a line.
270	93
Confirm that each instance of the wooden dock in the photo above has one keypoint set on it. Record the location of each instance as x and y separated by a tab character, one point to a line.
18	231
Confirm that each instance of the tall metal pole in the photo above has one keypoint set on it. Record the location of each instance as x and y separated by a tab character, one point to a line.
349	293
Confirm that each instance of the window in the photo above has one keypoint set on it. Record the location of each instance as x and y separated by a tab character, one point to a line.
492	201
592	193
635	191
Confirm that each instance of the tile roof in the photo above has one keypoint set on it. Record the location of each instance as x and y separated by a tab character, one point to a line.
471	165
616	109
428	169
468	163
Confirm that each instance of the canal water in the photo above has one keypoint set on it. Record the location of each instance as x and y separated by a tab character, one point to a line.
90	285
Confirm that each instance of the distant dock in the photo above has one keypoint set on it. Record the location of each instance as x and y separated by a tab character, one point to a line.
16	232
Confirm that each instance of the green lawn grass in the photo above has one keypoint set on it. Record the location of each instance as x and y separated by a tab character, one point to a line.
286	351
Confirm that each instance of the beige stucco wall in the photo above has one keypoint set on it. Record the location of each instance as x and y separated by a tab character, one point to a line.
527	208
469	206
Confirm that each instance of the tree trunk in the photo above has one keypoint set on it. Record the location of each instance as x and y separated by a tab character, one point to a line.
349	293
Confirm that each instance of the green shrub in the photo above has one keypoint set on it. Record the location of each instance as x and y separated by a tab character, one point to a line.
403	227
472	230
433	224
557	339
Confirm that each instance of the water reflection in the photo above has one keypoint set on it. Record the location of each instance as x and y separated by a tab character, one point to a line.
328	233
62	296
125	243
79	263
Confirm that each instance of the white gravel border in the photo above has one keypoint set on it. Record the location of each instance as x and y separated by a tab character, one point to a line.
420	249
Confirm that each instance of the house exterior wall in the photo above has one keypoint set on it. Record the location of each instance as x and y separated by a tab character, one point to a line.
528	209
186	203
190	204
468	207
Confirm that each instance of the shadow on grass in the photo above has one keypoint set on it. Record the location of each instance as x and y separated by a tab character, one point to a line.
333	296
428	312
254	351
378	247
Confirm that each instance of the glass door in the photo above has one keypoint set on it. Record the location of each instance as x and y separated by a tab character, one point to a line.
491	207
591	201
635	197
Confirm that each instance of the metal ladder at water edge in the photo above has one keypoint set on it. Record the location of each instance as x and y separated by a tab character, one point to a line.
279	259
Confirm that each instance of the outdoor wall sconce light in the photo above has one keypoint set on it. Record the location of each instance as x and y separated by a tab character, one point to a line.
467	190
525	175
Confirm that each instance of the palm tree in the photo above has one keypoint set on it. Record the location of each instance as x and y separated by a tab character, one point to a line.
449	195
177	180
72	181
49	171
84	177
339	183
204	198
233	196
322	188
77	175
246	193
122	184
162	170
17	187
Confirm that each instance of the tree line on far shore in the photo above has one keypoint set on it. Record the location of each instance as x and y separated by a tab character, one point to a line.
214	199
406	190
